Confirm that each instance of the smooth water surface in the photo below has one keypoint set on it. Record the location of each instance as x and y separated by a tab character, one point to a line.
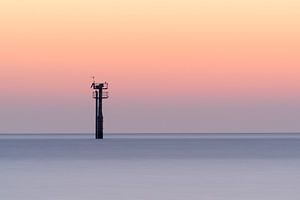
150	166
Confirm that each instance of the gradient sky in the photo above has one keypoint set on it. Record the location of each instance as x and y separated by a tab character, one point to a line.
173	66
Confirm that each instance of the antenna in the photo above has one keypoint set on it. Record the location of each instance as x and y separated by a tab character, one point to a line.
93	84
98	95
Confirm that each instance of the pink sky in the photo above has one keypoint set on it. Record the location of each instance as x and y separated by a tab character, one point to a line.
173	66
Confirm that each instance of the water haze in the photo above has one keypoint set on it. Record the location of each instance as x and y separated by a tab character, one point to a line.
150	166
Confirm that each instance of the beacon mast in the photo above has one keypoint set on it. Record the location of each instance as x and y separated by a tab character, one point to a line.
99	94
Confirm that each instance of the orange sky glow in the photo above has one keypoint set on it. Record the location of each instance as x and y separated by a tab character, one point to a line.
160	53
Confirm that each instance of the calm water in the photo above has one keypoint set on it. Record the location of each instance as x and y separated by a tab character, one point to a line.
157	166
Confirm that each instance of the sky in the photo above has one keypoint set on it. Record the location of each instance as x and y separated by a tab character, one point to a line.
172	66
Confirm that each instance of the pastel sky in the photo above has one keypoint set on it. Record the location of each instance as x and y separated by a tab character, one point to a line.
172	65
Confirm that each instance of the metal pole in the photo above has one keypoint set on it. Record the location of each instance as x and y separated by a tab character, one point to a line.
99	95
100	115
97	113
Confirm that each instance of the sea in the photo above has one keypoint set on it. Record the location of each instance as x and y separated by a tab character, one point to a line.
156	166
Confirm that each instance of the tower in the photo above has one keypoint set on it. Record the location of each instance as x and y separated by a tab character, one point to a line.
98	95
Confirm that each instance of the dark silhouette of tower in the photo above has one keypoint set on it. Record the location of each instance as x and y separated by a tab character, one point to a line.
99	94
